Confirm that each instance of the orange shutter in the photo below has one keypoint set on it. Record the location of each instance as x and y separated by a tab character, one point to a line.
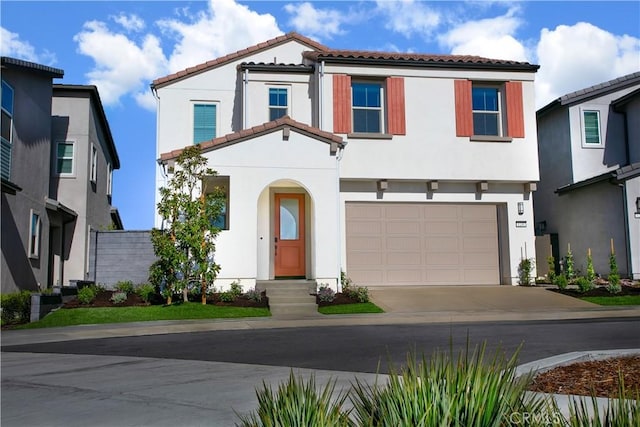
464	112
515	111
395	106
341	103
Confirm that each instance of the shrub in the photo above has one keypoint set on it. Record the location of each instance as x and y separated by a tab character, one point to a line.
87	294
145	291
118	297
584	284
235	288
524	271
360	293
16	307
254	295
228	296
551	264
326	294
591	273
561	281
298	403
614	286
125	286
569	265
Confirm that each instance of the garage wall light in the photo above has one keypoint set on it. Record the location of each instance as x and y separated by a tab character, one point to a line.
520	208
638	205
383	185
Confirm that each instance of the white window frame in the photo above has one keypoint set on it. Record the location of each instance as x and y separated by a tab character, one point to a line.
109	179
73	160
192	122
93	172
34	235
501	110
583	130
286	107
382	108
9	143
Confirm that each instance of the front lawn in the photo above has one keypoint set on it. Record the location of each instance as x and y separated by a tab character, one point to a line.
615	300
183	311
361	307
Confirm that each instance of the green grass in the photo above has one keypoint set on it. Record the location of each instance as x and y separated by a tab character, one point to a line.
615	300
184	311
362	307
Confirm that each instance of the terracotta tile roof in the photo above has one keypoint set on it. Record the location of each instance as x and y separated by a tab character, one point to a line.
236	55
417	58
262	129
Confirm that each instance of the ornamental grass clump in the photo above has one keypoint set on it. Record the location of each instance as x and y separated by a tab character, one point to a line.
298	403
469	390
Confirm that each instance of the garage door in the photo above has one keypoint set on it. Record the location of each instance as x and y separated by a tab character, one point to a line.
419	243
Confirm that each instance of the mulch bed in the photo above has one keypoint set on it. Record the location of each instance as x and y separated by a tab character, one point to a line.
599	377
600	291
340	298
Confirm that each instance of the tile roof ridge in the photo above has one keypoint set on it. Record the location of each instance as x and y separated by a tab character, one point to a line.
239	54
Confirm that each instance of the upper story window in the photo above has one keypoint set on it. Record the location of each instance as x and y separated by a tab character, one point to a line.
204	122
487	117
64	158
368	108
489	111
219	186
6	130
109	180
591	128
94	164
34	235
278	103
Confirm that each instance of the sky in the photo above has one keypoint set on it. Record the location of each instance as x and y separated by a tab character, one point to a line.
122	46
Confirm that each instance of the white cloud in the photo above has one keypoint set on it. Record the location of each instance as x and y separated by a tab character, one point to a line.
408	17
130	22
225	27
11	45
491	38
316	23
582	55
121	65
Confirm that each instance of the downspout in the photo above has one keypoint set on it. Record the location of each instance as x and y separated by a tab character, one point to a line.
245	84
339	212
320	95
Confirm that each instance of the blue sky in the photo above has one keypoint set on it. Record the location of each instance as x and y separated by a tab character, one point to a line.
121	46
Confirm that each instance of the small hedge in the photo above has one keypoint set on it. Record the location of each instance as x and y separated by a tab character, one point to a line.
16	307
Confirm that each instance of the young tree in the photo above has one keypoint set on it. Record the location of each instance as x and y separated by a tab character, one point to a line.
188	208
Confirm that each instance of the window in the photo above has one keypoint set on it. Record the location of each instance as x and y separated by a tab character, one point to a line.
277	103
489	111
219	185
6	130
94	164
34	235
486	105
367	107
204	122
591	128
109	180
64	158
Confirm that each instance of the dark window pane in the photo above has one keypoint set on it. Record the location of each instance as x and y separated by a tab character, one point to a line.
485	124
366	95
591	127
7	97
204	122
485	99
276	113
6	127
367	121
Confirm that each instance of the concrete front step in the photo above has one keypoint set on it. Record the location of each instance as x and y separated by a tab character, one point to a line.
291	298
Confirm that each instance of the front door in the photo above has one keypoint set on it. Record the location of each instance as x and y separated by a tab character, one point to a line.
289	235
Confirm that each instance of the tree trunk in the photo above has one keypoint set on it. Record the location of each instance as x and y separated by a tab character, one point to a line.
185	294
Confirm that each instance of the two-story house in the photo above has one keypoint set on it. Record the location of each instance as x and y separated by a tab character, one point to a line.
46	151
399	169
589	190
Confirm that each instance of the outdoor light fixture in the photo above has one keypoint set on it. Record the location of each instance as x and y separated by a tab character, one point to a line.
383	185
520	208
637	204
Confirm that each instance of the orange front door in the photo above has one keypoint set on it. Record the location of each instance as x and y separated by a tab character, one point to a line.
289	235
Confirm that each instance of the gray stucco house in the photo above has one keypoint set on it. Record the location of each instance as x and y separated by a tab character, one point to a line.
589	189
57	161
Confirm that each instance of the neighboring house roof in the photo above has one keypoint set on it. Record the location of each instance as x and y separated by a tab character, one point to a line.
95	98
593	91
263	129
116	219
162	81
615	177
620	102
32	66
414	59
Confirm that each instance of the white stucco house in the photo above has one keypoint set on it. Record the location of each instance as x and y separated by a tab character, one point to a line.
399	169
589	190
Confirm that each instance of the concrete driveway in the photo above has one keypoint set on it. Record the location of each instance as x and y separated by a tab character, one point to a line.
412	299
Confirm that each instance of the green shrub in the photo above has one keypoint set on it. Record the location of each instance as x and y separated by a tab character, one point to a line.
297	403
145	291
118	297
254	295
591	273
16	307
125	286
584	284
228	296
569	265
551	264
87	294
235	288
326	294
469	390
614	286
524	271
561	281
359	293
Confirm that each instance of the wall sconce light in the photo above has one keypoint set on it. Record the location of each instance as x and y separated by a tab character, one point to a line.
383	185
638	205
520	208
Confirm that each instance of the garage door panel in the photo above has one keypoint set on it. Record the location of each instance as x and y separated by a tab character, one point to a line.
422	243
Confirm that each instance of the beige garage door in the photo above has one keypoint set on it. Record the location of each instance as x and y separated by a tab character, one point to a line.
422	244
